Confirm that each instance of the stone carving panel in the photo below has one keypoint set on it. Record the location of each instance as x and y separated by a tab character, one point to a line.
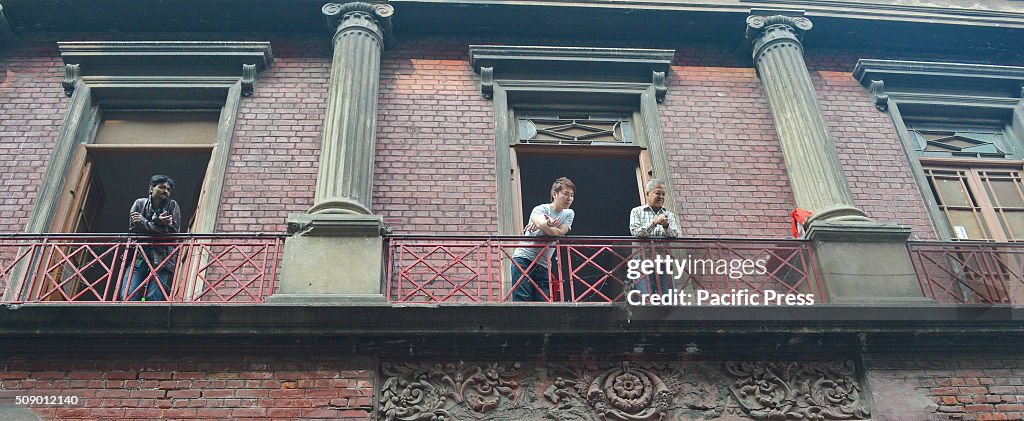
620	391
798	391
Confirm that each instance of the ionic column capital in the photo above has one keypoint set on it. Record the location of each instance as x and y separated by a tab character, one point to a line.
372	18
765	31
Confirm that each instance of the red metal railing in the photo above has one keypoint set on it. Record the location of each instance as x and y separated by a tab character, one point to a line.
474	269
976	273
207	268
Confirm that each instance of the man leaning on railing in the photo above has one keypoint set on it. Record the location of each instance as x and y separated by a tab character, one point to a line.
548	219
154	214
655	221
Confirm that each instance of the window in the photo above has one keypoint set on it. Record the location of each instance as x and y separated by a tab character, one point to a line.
589	114
133	114
962	135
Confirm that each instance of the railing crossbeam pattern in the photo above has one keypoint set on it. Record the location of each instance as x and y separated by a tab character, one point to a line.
93	268
969	273
476	269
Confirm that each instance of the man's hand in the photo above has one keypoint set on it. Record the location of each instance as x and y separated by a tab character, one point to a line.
165	218
136	217
529	227
553	222
661	220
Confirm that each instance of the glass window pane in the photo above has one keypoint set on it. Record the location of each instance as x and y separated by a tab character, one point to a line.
965	222
1004	192
1013	224
158	127
951	192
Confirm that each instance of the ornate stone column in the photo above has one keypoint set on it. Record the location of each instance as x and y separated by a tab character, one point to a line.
814	171
345	176
861	261
334	252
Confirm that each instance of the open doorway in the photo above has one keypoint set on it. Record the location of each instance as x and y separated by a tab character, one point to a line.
606	189
101	185
608	184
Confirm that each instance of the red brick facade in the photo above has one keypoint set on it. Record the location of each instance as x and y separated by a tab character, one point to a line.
980	387
436	141
216	385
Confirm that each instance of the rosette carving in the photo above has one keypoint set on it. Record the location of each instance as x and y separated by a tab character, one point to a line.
413	392
625	393
792	390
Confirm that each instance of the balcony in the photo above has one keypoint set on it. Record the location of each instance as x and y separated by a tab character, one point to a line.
244	268
86	268
970	273
468	269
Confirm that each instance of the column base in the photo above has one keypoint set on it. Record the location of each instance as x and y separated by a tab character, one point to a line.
866	263
339	207
841	213
332	258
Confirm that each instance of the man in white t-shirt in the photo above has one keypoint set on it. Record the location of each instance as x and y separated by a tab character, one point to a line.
550	219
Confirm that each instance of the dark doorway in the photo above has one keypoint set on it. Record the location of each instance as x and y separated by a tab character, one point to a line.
606	190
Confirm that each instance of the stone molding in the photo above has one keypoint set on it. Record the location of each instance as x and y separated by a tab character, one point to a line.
625	63
897	73
210	58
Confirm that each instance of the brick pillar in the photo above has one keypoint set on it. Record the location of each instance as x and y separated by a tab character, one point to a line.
811	159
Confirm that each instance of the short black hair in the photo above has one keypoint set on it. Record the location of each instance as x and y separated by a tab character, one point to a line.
160	179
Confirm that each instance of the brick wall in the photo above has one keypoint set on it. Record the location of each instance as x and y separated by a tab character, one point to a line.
937	387
874	161
32	108
435	142
274	154
217	385
727	167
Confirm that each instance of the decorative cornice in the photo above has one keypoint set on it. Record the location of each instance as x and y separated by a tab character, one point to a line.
209	58
378	13
538	63
507	55
899	75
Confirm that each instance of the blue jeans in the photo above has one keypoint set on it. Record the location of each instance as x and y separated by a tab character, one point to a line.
526	291
151	290
654	283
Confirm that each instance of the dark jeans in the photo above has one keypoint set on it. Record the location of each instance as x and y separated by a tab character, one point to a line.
526	290
151	291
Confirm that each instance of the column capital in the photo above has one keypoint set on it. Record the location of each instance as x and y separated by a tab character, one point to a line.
373	18
763	30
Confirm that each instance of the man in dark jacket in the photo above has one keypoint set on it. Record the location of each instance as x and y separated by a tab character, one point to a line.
152	215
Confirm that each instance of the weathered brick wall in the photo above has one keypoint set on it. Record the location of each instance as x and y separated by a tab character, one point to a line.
32	108
276	147
873	159
132	384
435	142
938	387
727	167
